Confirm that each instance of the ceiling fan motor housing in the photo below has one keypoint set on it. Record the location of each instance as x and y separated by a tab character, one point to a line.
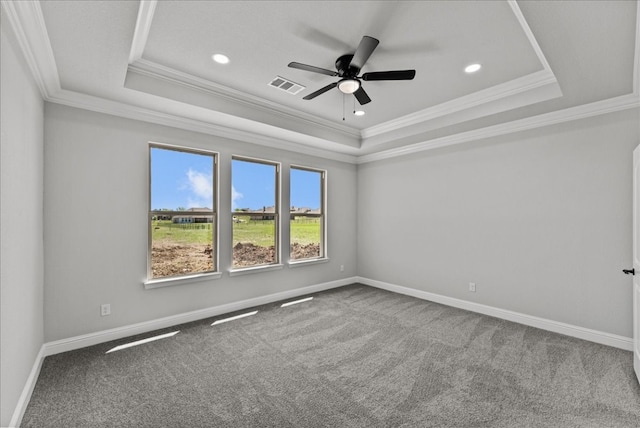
344	67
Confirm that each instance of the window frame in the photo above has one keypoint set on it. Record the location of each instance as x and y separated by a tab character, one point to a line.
151	282
276	264
323	257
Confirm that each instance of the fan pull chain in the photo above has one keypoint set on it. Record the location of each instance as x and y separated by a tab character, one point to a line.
344	101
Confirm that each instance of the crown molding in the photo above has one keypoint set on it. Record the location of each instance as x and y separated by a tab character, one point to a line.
610	105
27	23
160	72
209	88
141	31
527	31
541	80
285	140
597	108
538	82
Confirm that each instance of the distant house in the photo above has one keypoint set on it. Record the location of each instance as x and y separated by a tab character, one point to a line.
267	213
194	215
199	215
304	211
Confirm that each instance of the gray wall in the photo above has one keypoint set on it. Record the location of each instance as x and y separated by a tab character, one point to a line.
96	192
21	254
540	220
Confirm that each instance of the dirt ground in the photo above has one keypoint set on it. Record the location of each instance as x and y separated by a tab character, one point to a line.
299	251
170	259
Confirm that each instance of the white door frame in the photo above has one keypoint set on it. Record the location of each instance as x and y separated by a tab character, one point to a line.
636	261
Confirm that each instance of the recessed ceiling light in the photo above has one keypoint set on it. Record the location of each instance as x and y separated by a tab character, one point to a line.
220	58
359	113
472	68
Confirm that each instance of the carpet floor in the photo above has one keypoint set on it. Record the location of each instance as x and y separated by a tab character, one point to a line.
355	356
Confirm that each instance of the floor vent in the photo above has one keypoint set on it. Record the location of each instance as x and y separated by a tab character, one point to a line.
286	85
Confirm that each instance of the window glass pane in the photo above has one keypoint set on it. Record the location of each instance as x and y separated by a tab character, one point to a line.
182	216
306	214
255	213
181	180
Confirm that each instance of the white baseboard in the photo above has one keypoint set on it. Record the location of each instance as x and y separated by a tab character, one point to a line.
600	337
77	342
30	384
64	345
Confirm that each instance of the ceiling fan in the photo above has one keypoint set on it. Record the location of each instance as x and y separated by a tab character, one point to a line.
348	66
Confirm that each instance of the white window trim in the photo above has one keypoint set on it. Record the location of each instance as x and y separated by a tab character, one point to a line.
150	283
277	219
323	198
305	262
255	269
180	280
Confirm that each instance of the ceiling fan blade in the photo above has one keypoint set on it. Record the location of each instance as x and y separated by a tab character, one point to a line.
390	75
320	91
311	68
363	52
362	96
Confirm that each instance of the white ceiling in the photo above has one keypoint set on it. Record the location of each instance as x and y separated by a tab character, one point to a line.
543	62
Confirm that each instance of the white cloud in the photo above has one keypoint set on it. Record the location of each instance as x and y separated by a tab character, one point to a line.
201	187
235	195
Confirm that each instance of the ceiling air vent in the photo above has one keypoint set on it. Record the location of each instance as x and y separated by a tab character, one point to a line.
286	85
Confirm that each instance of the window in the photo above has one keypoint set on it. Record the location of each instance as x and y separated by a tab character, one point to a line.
182	212
307	213
255	200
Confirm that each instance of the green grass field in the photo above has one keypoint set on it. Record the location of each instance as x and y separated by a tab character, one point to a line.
305	232
259	232
165	230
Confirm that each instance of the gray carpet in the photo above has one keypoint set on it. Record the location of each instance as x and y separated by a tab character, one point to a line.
351	357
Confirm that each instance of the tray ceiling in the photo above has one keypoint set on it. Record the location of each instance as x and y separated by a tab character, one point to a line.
154	58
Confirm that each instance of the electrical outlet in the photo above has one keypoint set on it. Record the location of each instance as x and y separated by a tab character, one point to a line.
105	309
472	287
341	268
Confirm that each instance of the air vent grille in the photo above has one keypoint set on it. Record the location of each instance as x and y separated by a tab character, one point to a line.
286	85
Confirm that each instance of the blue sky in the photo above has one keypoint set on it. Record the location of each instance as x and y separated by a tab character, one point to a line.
253	186
182	179
305	188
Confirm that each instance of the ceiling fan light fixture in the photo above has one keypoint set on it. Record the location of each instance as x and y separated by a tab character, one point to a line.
349	86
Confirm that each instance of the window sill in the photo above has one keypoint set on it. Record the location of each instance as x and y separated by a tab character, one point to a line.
180	280
307	262
255	269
